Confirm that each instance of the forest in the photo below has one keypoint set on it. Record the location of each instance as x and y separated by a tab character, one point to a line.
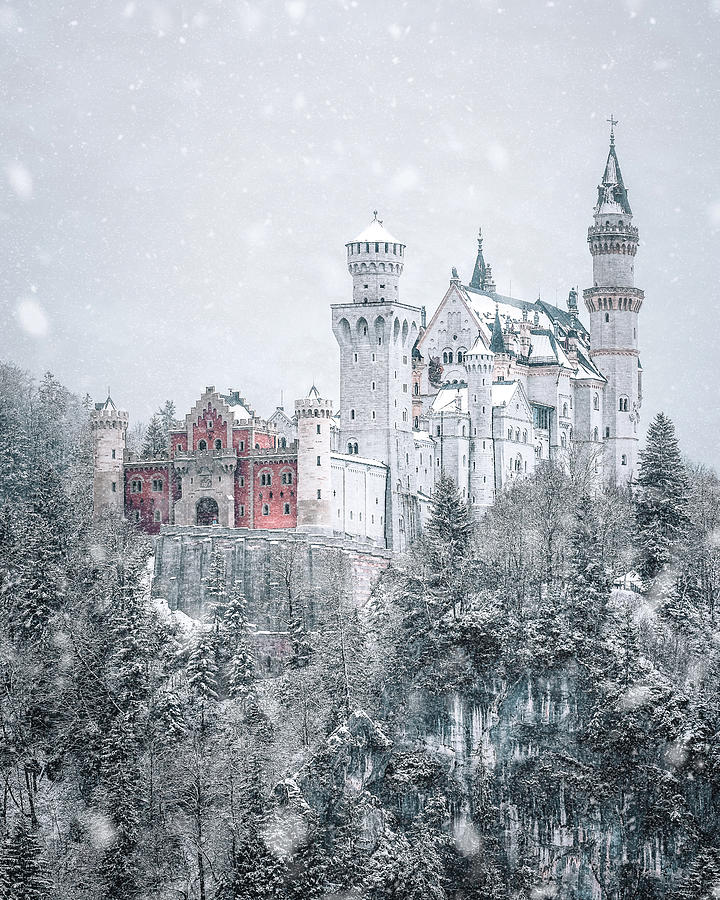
526	708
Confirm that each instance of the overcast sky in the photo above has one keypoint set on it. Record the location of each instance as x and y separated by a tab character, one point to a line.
179	180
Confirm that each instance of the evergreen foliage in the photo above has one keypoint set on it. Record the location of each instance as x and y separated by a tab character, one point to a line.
499	723
661	504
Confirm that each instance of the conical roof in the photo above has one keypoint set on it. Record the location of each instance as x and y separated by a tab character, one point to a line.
376	231
612	195
497	344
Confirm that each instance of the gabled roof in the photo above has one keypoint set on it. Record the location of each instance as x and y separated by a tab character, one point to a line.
451	398
505	392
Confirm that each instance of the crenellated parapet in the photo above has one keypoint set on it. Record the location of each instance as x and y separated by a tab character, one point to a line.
629	299
610	237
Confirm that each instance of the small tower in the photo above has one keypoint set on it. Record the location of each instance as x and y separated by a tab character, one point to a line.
482	279
614	304
479	365
109	427
314	424
375	259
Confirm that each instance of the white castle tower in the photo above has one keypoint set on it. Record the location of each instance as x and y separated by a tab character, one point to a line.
109	427
376	334
314	421
479	364
614	304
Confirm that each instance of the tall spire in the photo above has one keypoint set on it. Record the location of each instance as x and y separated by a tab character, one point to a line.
481	277
612	195
497	344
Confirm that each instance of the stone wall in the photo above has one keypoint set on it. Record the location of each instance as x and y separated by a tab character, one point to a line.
263	567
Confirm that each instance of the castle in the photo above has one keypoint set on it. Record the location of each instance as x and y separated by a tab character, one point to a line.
485	391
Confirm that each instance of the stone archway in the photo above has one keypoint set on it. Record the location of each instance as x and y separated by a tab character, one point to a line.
207	511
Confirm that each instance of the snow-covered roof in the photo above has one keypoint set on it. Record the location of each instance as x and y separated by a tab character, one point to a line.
450	399
240	412
423	437
376	231
353	458
502	392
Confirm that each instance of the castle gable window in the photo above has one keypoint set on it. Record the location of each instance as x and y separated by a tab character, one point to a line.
136	486
157	485
265	478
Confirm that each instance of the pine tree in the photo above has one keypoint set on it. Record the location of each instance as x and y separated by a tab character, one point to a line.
241	664
215	588
588	582
167	416
660	509
202	673
445	549
22	873
155	444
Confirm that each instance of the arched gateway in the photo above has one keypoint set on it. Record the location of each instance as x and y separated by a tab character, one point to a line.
207	511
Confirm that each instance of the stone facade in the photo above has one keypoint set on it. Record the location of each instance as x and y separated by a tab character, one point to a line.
489	389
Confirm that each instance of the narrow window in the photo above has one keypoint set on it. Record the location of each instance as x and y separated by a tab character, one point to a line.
265	509
286	509
352	414
157	485
318	460
241	511
113	454
319	494
318	428
114	487
607	432
218	444
156	515
202	445
623	460
210	425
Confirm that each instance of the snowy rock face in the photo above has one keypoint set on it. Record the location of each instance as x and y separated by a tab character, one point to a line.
517	753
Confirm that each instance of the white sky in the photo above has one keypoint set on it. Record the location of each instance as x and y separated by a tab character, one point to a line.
179	179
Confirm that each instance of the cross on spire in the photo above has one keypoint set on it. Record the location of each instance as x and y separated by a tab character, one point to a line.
613	122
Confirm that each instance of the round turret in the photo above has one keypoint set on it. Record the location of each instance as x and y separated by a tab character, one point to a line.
375	260
479	365
314	424
109	427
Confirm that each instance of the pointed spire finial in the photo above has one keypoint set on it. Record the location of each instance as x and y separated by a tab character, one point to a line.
613	122
374	215
497	344
480	239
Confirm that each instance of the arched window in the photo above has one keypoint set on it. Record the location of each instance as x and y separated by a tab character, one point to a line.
596	435
266	509
283	443
596	401
416	389
509	434
447	356
565	410
350	447
623	460
538	451
461	355
416	423
355	448
202	445
563	440
286	509
352	413
607	432
218	444
517	435
607	317
623	404
525	436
